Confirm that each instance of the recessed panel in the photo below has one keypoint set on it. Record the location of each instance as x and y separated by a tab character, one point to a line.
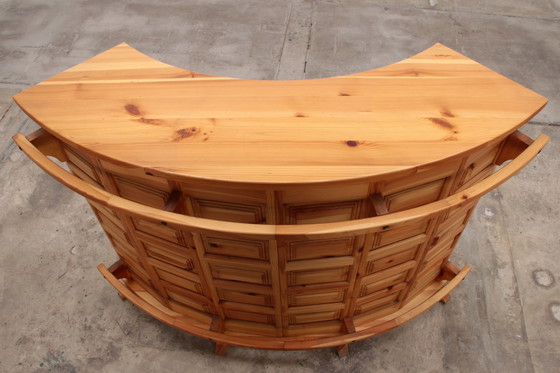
322	213
234	212
249	316
317	297
386	301
245	297
158	229
392	235
168	252
141	193
318	276
242	274
321	248
414	197
236	248
314	317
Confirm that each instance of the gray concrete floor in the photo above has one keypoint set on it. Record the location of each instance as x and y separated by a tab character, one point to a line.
57	314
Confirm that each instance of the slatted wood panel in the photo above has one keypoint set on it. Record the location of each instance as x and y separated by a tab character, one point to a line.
318	282
286	287
321	281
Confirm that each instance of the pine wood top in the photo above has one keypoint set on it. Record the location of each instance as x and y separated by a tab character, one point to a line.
125	106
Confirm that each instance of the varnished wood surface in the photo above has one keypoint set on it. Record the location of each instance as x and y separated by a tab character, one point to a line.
129	108
282	286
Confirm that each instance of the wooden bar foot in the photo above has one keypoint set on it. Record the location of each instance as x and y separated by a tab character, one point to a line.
217	325
448	272
221	348
342	350
445	299
118	269
121	295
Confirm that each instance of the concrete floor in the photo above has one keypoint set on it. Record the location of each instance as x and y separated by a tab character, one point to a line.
57	314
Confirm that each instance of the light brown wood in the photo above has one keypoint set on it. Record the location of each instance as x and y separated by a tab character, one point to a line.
282	215
169	121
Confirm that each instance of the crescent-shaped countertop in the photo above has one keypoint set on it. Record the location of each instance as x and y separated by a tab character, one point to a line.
127	107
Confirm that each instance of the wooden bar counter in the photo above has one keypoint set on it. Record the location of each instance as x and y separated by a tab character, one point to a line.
282	214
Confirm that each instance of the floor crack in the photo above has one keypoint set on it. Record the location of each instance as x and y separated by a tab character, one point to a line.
284	41
309	38
6	111
553	124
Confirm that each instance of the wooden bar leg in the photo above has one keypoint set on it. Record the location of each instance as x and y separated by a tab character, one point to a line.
342	350
119	270
218	326
347	328
448	272
221	348
445	299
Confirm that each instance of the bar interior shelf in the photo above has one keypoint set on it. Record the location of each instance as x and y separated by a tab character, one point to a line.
282	214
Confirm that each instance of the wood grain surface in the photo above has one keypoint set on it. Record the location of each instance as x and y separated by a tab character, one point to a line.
126	107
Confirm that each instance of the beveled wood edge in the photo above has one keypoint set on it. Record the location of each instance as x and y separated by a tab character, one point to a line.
432	294
267	231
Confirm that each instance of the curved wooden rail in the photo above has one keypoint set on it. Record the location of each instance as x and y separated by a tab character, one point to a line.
373	224
421	304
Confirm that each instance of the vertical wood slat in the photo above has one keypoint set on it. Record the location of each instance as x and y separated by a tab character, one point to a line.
360	273
279	289
283	283
279	292
456	240
358	253
379	206
420	255
207	273
423	249
110	186
172	202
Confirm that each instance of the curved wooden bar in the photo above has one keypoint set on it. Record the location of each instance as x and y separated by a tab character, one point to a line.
287	214
437	286
430	296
